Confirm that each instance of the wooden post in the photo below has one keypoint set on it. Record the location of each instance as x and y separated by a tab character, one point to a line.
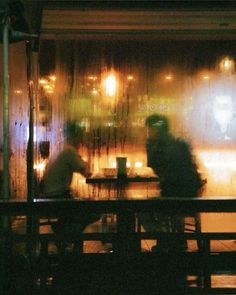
5	219
5	109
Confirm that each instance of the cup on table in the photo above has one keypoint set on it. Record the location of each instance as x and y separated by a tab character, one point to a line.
121	166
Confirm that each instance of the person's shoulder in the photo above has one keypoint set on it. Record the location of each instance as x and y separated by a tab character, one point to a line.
181	146
181	142
68	152
69	149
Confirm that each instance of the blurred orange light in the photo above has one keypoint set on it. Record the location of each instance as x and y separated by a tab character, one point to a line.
227	64
110	85
43	81
168	77
138	164
94	91
93	78
52	77
130	77
18	91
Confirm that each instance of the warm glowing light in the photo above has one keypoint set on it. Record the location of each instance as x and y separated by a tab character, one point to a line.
94	91
168	77
114	165
93	78
219	165
206	77
18	91
40	168
50	91
138	164
227	64
108	124
81	180
52	78
130	78
48	83
110	85
43	81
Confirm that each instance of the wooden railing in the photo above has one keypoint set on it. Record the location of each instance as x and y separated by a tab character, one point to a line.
148	268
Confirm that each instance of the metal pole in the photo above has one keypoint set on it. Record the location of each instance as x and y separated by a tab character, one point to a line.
5	109
30	147
31	220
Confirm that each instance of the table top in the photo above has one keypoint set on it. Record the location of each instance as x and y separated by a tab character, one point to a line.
128	179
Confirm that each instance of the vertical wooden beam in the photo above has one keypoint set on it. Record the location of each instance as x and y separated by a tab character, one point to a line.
5	109
5	219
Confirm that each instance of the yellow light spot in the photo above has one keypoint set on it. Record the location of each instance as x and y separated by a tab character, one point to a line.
50	91
227	64
130	77
52	78
110	85
18	91
93	78
138	164
48	87
94	91
168	77
43	81
206	77
40	168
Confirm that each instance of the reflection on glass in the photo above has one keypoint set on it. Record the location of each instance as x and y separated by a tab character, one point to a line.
223	113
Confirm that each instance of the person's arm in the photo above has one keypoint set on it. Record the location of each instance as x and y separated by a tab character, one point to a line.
78	164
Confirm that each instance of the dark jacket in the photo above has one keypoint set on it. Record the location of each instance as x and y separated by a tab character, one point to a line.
172	161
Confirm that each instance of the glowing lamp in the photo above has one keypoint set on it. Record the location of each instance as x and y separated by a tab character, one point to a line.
168	77
42	81
138	164
110	85
128	165
227	65
52	78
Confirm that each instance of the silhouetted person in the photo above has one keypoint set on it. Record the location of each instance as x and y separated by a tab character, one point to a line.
172	160
58	176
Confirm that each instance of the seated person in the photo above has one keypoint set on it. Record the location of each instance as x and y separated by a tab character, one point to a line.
172	160
58	176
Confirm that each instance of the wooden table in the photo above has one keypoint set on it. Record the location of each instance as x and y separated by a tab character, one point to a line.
120	183
128	179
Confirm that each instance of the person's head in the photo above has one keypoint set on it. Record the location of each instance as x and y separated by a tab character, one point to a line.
157	125
73	133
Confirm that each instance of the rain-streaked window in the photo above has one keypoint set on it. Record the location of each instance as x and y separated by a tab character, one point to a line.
110	87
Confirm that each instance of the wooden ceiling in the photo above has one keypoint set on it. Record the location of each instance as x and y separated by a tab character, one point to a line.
156	23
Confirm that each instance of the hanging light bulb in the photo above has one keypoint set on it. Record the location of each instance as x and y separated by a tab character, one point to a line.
227	65
110	85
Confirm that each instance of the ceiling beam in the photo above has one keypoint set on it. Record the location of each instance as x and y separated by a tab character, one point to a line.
87	23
